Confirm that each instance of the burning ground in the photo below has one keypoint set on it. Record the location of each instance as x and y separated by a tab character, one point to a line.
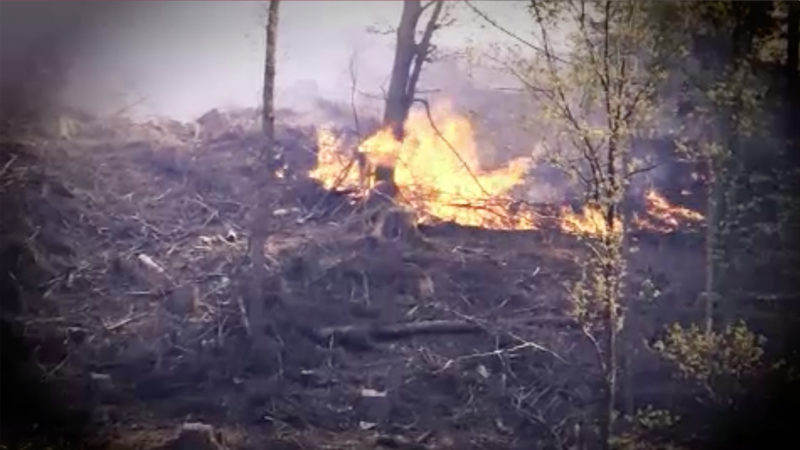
122	284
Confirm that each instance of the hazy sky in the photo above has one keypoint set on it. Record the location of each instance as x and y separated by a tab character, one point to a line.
183	58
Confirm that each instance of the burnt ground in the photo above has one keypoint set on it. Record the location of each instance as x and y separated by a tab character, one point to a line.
121	254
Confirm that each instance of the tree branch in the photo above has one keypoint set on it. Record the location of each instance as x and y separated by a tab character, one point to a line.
353	87
450	146
422	51
509	33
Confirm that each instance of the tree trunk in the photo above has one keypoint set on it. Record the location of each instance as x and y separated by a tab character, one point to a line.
255	292
793	46
268	111
397	101
409	57
612	271
713	200
793	77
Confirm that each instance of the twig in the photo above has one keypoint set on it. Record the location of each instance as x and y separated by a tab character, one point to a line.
498	352
630	174
449	145
353	86
337	182
8	164
143	98
243	313
58	366
125	321
508	32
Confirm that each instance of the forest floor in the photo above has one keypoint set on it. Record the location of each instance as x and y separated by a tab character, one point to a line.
121	315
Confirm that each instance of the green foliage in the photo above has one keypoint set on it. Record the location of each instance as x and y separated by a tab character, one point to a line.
645	430
600	282
718	361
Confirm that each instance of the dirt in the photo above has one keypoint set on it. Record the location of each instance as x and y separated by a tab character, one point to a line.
122	278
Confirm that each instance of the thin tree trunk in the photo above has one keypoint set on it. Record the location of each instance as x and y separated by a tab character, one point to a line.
793	46
612	318
793	77
256	309
268	111
710	292
612	273
397	102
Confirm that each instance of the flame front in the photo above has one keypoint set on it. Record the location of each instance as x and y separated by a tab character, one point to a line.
432	179
443	183
662	217
591	222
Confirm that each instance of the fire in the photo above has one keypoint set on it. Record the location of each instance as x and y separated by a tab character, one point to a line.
663	217
440	184
591	222
331	163
432	179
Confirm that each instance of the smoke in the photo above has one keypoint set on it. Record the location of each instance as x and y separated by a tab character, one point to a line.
180	59
38	43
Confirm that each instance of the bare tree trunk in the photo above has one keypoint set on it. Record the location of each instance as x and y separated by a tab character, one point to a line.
268	111
255	292
712	215
793	46
409	57
397	101
793	75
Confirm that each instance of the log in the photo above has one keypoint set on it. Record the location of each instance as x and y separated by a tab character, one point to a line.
395	331
361	337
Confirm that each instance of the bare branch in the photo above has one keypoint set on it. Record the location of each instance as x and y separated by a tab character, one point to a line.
634	172
353	90
509	33
450	146
520	77
588	148
522	346
427	5
422	52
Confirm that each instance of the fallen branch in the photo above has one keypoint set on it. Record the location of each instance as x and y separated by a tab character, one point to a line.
361	335
124	321
497	352
8	165
396	331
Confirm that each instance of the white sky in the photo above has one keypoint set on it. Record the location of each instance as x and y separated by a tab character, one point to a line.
184	58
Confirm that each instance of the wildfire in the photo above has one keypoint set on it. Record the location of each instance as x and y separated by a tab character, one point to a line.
440	184
432	179
663	217
590	223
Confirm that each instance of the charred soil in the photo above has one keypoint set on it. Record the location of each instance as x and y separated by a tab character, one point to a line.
122	290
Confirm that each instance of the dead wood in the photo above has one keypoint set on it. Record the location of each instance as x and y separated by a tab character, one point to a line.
397	331
257	314
361	337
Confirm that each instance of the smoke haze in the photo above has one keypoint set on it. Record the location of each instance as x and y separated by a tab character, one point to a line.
180	59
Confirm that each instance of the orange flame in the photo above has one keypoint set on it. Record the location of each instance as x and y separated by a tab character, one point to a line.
591	222
430	176
663	217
